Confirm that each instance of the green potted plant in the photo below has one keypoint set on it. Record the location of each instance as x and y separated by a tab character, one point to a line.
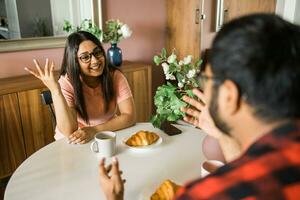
181	79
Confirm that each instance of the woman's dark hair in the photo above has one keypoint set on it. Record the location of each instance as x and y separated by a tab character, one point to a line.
261	54
71	67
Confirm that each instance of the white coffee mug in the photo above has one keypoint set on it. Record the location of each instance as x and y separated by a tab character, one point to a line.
104	144
210	166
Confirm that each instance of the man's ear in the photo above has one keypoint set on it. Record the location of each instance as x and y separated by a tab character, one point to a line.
229	98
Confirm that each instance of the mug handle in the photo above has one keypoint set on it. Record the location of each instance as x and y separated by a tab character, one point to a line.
93	145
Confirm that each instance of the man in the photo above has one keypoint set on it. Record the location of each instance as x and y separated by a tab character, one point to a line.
252	94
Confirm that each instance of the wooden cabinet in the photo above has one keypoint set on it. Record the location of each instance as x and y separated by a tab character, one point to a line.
36	121
26	124
12	150
183	27
139	79
237	8
184	21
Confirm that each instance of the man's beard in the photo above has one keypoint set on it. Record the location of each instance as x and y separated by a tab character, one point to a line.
214	112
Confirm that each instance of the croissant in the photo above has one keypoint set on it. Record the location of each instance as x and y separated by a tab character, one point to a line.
166	191
142	138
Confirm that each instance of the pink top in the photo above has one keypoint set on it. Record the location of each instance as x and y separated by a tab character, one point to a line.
94	100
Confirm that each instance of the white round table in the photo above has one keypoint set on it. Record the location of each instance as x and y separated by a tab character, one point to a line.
65	171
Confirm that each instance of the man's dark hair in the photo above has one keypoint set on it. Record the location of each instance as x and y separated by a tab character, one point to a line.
260	53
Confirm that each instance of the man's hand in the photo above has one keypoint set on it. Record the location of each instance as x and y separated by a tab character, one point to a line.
199	116
82	135
112	185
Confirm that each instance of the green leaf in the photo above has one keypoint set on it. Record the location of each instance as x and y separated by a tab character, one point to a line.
164	53
157	60
155	121
179	77
198	63
172	117
190	93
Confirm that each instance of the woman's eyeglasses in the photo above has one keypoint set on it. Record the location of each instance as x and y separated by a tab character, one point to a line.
87	57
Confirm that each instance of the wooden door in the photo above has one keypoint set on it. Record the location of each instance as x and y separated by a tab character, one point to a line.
36	120
183	27
236	8
12	149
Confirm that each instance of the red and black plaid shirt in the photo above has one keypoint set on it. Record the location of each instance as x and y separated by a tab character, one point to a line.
269	169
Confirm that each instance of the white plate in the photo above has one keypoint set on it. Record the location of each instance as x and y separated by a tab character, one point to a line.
151	146
146	193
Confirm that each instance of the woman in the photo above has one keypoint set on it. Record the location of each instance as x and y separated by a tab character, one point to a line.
88	93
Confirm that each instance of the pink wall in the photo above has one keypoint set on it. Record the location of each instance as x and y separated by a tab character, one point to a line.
13	63
148	21
146	18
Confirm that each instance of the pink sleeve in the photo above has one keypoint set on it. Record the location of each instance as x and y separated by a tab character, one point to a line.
67	90
122	88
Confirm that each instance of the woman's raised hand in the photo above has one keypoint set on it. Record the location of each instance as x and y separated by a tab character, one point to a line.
46	75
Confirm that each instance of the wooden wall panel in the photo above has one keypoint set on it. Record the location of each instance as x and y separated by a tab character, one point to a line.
36	120
12	150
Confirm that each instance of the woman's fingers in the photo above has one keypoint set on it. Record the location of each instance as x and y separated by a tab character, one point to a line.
74	137
32	72
37	65
51	69
46	69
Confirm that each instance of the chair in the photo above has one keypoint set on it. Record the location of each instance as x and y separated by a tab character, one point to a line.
47	100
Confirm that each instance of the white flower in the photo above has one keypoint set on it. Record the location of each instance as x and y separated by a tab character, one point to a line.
191	73
165	67
170	77
180	85
180	62
187	60
172	58
183	80
125	30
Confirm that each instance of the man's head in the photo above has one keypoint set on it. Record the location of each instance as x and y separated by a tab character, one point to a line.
255	61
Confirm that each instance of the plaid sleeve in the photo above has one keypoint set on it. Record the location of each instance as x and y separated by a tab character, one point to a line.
269	169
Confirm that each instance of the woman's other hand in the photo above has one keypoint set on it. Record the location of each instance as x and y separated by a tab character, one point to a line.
46	75
82	135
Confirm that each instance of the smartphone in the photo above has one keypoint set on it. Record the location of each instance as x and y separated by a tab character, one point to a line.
169	129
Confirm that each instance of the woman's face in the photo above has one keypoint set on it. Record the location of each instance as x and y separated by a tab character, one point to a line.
91	59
